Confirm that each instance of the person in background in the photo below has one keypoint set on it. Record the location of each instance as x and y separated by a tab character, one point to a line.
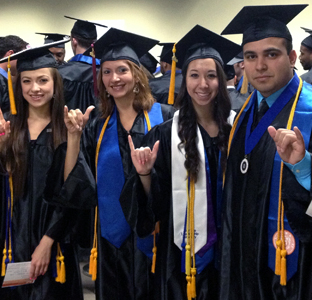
9	45
306	56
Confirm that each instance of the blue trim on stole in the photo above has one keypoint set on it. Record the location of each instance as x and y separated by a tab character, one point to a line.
86	59
302	119
114	226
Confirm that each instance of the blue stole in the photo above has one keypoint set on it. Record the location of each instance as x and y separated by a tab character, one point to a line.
86	59
110	181
240	83
302	119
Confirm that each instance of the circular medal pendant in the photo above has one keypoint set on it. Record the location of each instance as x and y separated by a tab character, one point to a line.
244	166
290	242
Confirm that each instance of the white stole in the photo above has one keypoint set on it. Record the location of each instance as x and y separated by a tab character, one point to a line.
179	192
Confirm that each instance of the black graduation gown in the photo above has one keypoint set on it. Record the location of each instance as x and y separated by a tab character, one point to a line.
123	273
160	87
4	95
237	99
244	263
170	282
78	86
33	218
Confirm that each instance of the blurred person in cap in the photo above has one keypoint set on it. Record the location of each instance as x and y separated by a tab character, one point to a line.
9	45
267	232
179	181
33	231
305	56
148	64
79	73
160	85
59	50
237	99
120	261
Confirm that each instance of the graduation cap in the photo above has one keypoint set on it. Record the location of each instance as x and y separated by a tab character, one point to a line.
149	62
28	60
307	42
167	49
237	59
84	28
117	44
260	22
54	37
200	42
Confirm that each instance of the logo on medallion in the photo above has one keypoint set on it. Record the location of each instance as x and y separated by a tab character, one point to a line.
290	242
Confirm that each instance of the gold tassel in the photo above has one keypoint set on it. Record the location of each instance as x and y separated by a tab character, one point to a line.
3	263
94	265
91	260
189	288
172	77
283	268
244	88
62	270
193	286
58	269
188	260
278	257
154	259
10	87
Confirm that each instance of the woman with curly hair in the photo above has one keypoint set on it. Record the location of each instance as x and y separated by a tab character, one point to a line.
179	181
123	265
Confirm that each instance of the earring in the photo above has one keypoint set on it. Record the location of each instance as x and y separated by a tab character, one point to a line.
107	94
136	89
53	97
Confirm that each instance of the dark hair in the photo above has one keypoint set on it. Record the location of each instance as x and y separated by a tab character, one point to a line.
288	45
14	152
11	42
188	122
82	42
142	101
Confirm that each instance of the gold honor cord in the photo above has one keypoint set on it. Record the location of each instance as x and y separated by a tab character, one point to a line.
9	256
281	253
172	76
10	87
190	267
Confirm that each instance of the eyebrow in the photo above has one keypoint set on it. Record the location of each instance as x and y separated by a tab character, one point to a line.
265	51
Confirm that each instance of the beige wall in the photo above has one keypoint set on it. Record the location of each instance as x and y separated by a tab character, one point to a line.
166	20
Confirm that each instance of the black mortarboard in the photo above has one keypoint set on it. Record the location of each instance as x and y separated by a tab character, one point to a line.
229	72
238	58
84	29
53	37
203	43
307	42
260	22
167	47
117	44
35	58
149	62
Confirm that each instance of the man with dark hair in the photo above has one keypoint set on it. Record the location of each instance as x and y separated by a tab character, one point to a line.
77	74
8	45
266	230
306	56
160	85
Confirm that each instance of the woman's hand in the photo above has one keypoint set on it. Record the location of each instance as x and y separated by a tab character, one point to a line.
4	128
75	120
143	158
40	259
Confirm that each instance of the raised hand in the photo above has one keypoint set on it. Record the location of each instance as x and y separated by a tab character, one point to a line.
75	120
4	128
143	158
289	144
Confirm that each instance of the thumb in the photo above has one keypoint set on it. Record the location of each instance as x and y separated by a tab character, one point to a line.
155	149
272	132
87	113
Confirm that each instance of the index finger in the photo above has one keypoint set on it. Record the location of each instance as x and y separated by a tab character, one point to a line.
130	143
1	115
298	133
